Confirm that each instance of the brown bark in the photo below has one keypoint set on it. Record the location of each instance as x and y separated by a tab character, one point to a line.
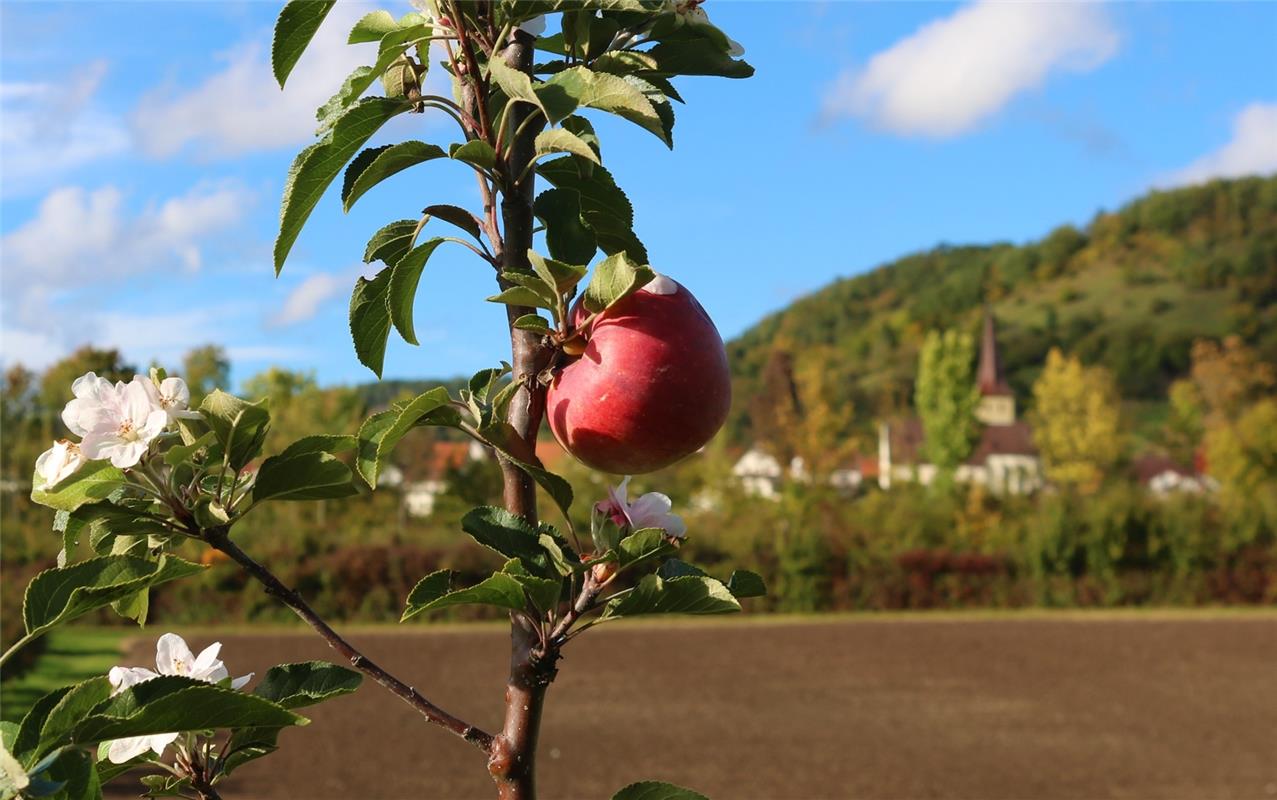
512	762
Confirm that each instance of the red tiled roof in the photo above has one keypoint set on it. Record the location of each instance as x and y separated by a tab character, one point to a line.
1015	439
444	456
1150	465
550	453
907	439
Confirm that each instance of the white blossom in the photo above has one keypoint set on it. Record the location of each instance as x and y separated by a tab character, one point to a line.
171	395
172	657
90	392
651	510
118	423
58	462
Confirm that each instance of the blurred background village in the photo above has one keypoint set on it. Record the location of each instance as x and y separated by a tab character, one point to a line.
1085	420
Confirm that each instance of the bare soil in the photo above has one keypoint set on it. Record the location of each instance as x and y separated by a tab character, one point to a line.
864	708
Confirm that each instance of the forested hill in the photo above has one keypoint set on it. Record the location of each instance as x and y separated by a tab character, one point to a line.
1131	292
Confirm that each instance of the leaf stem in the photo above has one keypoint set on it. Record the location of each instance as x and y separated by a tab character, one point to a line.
220	539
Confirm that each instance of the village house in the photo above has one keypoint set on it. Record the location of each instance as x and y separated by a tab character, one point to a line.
1004	457
1163	476
421	486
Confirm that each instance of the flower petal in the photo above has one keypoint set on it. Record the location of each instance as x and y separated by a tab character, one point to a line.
161	740
122	678
122	750
172	656
207	659
241	680
650	509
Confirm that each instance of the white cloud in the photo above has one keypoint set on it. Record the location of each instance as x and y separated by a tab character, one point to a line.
304	301
50	129
241	108
1251	151
955	72
80	241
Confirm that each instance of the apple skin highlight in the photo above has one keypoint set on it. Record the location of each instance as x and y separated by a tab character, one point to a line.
651	387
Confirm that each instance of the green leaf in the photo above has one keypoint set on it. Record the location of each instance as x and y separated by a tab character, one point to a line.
674	568
371	27
604	208
27	738
532	322
581	127
744	583
513	448
543	593
434	592
57	596
381	432
306	683
391	242
351	89
291	686
698	57
456	216
566	235
185	452
642	545
660	103
134	607
374	165
515	83
294	29
579	87
71	775
476	153
175	703
165	786
370	434
316	166
72	707
320	443
687	595
656	790
370	319
615	278
555	274
240	426
309	476
403	288
623	62
482	382
561	140
521	296
511	536
95	480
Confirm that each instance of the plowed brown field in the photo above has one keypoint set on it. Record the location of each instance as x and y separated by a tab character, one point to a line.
1076	707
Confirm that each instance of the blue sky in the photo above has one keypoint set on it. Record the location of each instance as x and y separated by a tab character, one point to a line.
144	149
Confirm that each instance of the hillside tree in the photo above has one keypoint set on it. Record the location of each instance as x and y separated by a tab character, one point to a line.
945	397
1076	420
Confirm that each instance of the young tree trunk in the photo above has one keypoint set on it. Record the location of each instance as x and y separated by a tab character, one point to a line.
513	758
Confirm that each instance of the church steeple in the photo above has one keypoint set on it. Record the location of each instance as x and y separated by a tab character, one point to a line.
997	401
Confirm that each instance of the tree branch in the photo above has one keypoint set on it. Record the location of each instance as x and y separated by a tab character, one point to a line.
220	539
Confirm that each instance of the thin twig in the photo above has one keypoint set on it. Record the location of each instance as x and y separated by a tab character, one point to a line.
218	538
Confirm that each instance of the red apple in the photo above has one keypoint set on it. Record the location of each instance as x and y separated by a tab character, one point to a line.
651	387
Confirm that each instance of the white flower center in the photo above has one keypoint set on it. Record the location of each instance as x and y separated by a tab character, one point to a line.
126	431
